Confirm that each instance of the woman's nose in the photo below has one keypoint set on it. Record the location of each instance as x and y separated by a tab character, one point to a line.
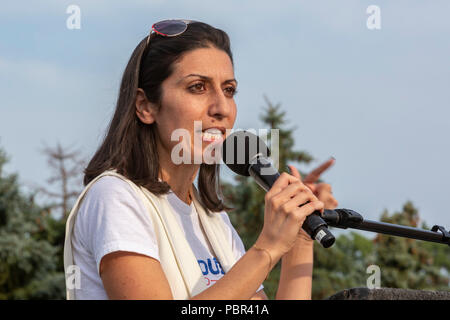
220	105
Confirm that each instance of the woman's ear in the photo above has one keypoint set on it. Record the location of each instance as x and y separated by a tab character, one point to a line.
145	110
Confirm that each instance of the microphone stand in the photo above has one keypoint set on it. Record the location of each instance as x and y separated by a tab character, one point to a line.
346	218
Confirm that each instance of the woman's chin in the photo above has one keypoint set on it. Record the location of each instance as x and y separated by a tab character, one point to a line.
210	153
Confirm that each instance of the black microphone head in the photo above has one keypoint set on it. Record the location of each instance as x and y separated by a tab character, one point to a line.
240	148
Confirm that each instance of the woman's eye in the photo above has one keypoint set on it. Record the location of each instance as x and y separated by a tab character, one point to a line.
197	87
231	90
200	87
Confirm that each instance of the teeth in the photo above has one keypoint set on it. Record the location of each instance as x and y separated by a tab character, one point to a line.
214	131
212	135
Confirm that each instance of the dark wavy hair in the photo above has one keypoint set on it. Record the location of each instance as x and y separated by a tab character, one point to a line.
130	145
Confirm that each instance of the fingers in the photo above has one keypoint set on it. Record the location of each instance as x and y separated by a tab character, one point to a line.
299	199
312	187
324	193
298	215
281	183
316	173
292	189
290	198
324	187
295	172
275	201
329	201
291	223
288	203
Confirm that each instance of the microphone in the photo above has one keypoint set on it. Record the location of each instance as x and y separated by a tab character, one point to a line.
247	155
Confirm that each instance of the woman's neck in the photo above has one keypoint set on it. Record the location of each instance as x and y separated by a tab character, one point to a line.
180	181
179	177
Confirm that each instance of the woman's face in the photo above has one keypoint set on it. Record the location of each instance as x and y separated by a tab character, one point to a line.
201	89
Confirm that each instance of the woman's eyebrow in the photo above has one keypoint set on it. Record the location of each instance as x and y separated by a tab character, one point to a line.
205	78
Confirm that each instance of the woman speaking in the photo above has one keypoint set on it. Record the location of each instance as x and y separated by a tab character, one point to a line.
140	229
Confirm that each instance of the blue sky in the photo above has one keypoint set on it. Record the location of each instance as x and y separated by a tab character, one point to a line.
376	100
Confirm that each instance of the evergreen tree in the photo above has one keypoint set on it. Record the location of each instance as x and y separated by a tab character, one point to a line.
28	261
409	263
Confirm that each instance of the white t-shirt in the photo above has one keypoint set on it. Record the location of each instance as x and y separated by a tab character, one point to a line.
113	218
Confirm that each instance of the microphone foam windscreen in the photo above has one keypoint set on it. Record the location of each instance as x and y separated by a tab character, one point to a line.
239	148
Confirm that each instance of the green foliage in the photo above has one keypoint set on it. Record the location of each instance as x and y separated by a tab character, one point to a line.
28	260
342	266
408	263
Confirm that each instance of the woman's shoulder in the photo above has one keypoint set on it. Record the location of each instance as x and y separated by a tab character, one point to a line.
111	203
109	193
113	218
109	186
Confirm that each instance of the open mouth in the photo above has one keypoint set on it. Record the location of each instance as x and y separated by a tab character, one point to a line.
213	134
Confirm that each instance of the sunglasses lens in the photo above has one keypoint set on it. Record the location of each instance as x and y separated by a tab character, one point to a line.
170	27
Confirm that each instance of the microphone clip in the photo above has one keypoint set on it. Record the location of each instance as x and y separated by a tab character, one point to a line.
342	218
445	233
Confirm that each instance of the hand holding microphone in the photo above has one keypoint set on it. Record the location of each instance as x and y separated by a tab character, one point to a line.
245	154
321	190
287	204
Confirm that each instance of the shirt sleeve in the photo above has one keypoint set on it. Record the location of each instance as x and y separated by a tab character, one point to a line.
113	218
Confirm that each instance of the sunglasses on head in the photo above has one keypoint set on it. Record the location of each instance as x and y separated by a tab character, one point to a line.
169	28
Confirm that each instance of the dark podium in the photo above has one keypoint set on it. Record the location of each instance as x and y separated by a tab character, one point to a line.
389	294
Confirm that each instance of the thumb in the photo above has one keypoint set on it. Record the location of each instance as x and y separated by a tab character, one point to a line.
293	170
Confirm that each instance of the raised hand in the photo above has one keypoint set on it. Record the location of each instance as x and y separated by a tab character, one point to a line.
322	191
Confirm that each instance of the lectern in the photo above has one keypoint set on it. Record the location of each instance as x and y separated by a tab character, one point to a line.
389	294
